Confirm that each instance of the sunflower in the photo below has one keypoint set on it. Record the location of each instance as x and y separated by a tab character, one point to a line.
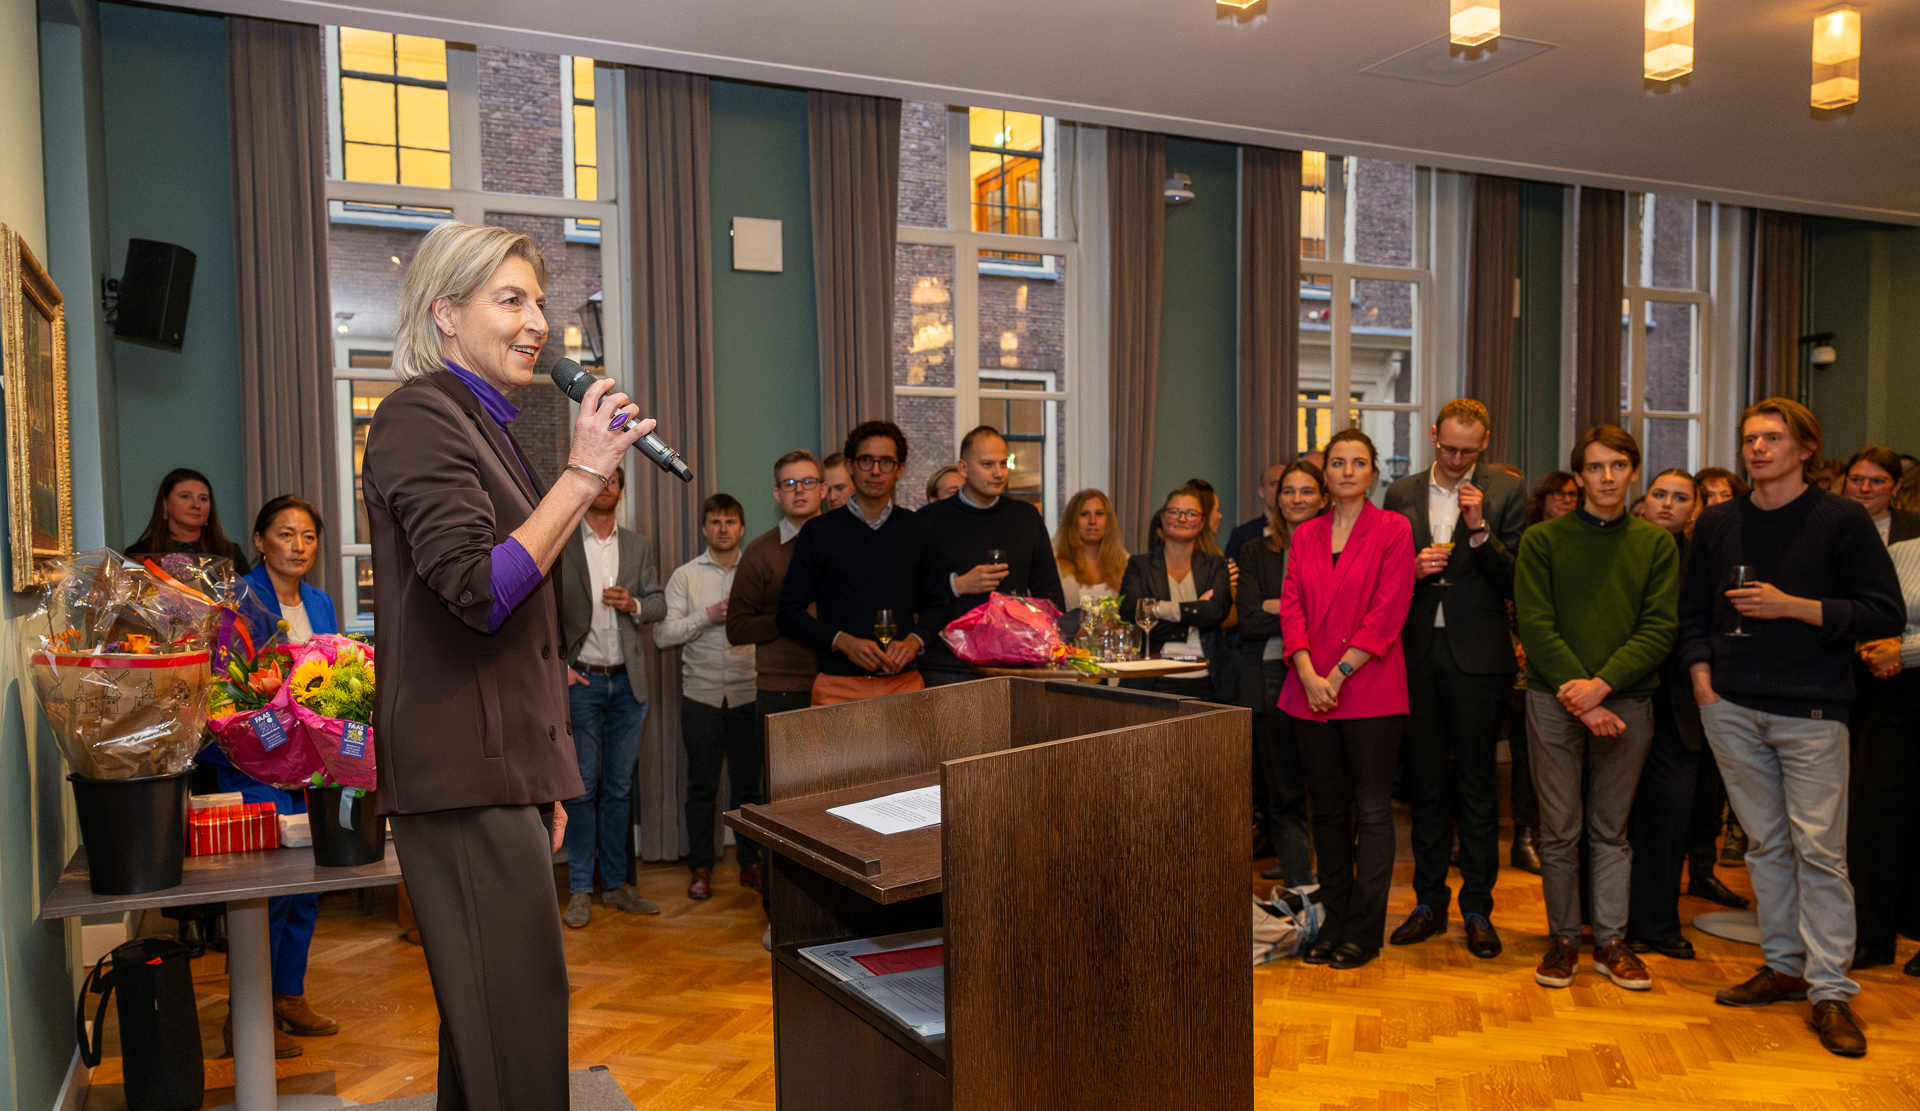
309	677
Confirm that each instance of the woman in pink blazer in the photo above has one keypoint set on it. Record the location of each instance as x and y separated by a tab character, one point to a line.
1349	583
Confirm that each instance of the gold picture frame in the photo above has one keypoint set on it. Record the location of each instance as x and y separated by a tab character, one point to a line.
33	348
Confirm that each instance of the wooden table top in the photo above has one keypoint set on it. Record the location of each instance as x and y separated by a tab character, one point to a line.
1159	668
886	868
218	879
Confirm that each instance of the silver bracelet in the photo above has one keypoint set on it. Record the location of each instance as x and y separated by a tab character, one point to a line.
604	480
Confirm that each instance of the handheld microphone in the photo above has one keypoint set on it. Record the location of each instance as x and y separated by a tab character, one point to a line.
573	380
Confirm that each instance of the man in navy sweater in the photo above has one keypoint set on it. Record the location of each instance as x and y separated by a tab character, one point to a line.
1770	663
978	520
853	563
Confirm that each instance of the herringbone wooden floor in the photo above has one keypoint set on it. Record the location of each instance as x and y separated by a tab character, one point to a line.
677	1006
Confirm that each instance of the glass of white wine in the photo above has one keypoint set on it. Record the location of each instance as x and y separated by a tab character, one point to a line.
883	628
1447	547
1146	618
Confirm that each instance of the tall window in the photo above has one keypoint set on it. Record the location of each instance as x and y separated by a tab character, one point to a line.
393	108
983	297
521	152
1664	315
1364	280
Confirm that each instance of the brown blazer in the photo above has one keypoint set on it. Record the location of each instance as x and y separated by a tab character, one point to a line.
463	717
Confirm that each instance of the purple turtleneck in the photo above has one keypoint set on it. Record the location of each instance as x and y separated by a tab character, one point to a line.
513	574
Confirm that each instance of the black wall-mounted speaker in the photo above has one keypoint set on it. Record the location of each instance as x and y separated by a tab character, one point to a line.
154	292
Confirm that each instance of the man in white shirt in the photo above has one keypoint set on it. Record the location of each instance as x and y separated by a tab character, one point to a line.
716	691
609	591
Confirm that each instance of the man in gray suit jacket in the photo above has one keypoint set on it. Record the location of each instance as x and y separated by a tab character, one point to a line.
1460	666
609	589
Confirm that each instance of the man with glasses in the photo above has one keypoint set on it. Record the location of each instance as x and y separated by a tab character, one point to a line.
968	528
863	588
1467	517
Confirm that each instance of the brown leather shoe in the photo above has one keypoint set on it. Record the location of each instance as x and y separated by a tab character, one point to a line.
750	876
1618	963
702	885
1557	968
283	1046
291	1013
1767	986
1839	1033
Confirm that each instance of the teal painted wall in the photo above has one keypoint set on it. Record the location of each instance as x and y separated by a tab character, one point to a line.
1534	433
1863	285
766	353
1196	415
165	101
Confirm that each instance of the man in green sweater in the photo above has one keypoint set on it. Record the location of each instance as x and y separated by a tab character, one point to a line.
1594	592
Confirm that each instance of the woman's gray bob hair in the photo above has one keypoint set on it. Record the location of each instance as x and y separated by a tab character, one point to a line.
452	262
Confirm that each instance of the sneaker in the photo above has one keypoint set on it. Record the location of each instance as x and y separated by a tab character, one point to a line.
1558	966
1619	964
631	901
579	909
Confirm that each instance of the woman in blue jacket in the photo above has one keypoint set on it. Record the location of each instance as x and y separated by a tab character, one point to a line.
287	536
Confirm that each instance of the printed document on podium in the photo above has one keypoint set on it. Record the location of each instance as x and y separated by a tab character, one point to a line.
917	998
895	813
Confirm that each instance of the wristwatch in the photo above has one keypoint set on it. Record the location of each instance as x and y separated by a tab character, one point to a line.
1345	668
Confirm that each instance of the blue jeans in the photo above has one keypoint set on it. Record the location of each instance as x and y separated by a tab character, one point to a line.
290	918
606	740
1787	780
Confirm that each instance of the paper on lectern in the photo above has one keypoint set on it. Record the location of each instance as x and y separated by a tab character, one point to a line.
896	813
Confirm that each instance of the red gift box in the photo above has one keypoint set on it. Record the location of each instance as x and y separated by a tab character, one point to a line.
233	829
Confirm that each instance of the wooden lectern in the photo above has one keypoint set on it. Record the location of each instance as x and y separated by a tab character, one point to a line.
1089	874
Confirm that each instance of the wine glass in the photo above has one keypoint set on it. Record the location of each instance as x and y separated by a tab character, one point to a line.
1445	545
1146	618
1740	578
883	628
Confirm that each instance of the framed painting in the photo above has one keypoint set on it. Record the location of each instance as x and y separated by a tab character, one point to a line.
33	347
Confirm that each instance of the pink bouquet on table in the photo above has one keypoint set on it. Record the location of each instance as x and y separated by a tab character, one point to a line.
253	719
1016	632
331	689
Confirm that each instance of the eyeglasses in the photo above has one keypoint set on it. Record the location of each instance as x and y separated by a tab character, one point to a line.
884	464
1181	514
792	484
1457	452
1869	481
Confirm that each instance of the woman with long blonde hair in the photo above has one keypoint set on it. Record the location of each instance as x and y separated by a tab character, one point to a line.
1087	548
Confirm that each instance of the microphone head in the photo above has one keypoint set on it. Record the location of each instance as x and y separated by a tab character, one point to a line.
572	378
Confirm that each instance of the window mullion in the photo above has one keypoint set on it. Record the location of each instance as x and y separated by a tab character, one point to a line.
463	120
966	341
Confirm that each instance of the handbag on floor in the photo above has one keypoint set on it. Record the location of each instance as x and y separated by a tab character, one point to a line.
162	1065
1286	924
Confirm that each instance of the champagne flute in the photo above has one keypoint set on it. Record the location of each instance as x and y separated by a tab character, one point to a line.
1446	546
1146	618
883	628
1741	577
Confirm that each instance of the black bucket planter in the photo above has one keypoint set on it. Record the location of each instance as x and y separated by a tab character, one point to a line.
338	847
135	830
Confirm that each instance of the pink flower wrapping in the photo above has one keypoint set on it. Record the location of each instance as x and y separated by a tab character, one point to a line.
1015	632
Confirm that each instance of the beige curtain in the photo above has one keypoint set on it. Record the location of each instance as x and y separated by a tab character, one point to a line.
277	131
1601	276
1773	368
668	122
1269	314
1137	224
853	146
1493	268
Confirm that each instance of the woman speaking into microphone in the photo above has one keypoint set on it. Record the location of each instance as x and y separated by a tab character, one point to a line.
471	719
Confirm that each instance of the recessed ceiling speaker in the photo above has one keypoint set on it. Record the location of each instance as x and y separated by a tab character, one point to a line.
155	289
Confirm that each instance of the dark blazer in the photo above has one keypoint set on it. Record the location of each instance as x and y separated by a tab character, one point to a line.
1905	526
641	578
1262	572
1254	528
463	717
1146	577
1482	577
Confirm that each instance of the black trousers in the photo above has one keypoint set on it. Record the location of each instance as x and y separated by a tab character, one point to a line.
1523	804
481	883
1883	825
1349	764
1280	783
1658	829
712	734
1452	745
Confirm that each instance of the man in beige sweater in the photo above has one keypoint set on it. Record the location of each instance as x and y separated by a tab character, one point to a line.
784	668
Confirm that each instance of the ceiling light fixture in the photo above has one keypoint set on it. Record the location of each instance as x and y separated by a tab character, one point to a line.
1473	22
1836	57
1669	39
1241	4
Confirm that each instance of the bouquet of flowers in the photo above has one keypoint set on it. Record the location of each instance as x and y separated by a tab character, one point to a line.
1006	630
331	685
252	715
120	655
